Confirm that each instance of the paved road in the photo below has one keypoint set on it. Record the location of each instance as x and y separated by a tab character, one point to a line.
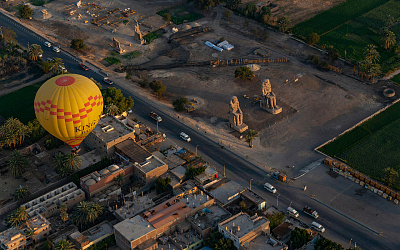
339	228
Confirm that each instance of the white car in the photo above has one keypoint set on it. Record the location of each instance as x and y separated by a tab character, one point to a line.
318	227
40	55
270	188
47	44
56	49
185	137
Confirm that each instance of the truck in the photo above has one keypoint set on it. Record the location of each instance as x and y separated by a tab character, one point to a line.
308	210
155	116
279	176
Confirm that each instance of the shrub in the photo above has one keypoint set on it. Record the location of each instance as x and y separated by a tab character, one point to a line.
244	73
167	16
158	88
112	60
144	83
179	104
78	44
312	38
193	172
53	142
275	219
162	184
37	131
25	11
125	21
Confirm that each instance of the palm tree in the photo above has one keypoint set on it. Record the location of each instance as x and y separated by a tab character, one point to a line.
13	132
389	20
119	179
64	245
18	217
373	70
388	39
56	63
34	51
17	163
72	162
111	109
390	176
79	216
251	134
283	24
59	161
21	193
64	214
46	67
29	232
371	54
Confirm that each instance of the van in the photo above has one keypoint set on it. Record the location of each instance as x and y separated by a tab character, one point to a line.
270	188
185	137
292	212
62	69
318	227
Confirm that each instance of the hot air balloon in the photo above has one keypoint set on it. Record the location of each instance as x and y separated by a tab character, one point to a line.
69	106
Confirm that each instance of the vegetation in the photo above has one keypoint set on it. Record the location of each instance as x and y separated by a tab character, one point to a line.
312	38
283	24
205	4
105	162
144	83
85	213
133	54
11	64
78	44
179	104
17	163
9	35
153	35
275	219
13	133
158	88
64	245
111	110
17	218
217	241
112	60
193	172
37	2
21	193
25	11
324	243
104	244
63	212
162	184
180	14
299	237
244	73
251	134
53	142
56	64
34	51
390	176
125	21
119	179
115	96
36	131
66	164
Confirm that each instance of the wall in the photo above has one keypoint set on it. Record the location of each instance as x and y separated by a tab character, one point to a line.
95	142
153	175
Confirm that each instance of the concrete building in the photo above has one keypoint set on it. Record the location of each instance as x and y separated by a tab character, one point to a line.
208	176
97	181
12	238
107	133
179	172
92	236
254	199
48	204
40	226
134	205
147	167
226	191
282	231
241	228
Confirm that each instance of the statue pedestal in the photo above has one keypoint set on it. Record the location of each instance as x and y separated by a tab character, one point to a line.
240	128
274	111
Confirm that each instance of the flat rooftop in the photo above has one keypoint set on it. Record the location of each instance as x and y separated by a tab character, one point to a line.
209	217
241	224
134	205
98	231
96	176
150	164
38	222
11	235
133	151
134	228
109	129
261	243
179	172
252	196
227	192
173	161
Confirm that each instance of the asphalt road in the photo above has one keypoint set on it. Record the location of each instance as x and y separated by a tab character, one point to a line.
340	229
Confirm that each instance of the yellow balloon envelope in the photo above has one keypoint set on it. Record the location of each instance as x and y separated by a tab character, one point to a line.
69	106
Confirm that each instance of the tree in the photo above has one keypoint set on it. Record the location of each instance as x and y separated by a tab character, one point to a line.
233	4
179	104
18	217
325	244
119	179
372	71
205	4
244	73
25	11
389	20
21	193
275	219
251	134
167	17
250	10
17	163
193	172
13	133
312	38
111	110
390	176
72	162
227	14
371	54
64	245
217	241
158	88
162	184
388	39
34	51
115	96
333	53
46	67
78	44
56	64
36	131
9	35
283	24
85	213
63	212
299	237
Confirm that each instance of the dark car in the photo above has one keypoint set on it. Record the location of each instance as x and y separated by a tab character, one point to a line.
83	66
108	81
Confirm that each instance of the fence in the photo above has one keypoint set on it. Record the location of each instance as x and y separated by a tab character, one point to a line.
246	61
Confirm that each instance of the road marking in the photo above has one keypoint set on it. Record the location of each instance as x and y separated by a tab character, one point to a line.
340	193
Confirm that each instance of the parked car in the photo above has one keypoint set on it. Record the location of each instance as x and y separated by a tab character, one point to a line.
308	210
49	59
108	81
83	66
40	55
185	137
56	49
270	188
47	44
292	212
62	69
318	227
155	116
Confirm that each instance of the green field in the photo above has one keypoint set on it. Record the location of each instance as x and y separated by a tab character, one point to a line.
396	79
353	25
19	104
371	146
181	14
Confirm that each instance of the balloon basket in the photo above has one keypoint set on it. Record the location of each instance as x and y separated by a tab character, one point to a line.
76	150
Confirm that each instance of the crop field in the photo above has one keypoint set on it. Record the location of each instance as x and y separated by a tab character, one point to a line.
21	102
372	146
353	25
181	14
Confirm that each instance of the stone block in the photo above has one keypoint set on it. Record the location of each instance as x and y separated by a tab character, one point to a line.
362	183
396	201
385	195
357	181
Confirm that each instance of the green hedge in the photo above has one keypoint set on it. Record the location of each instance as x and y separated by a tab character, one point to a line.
104	244
105	162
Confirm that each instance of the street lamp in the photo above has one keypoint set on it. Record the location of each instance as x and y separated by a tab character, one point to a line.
277	205
157	126
250	183
196	149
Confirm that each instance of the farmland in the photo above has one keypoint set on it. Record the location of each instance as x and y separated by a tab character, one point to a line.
181	14
372	146
354	28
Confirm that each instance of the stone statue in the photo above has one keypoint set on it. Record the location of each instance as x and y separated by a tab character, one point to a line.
138	34
236	116
268	98
116	43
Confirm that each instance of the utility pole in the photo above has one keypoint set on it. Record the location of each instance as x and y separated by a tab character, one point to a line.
224	170
277	205
157	129
250	183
